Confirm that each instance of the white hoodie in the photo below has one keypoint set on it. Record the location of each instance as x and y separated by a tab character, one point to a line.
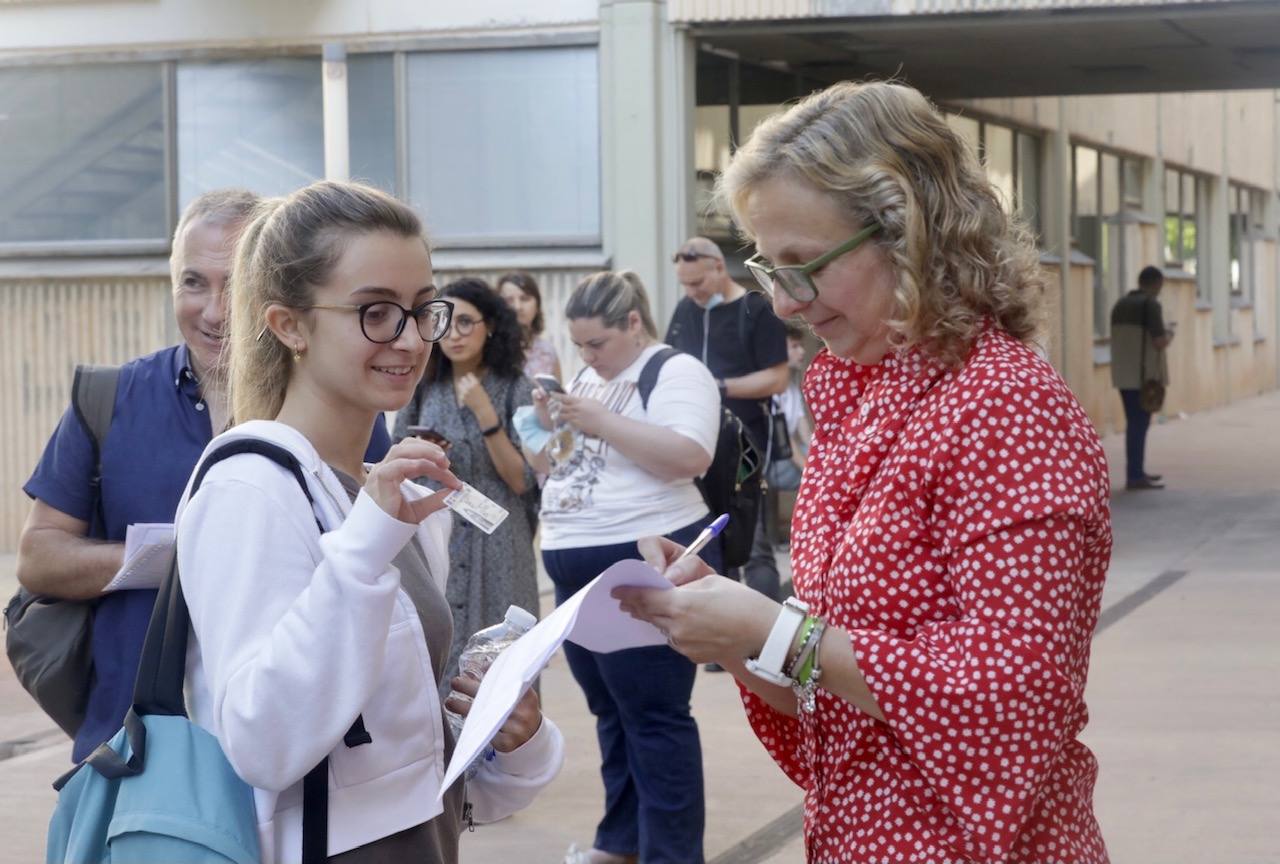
294	635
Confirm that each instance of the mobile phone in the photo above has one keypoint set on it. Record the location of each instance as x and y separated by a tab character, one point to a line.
548	383
428	434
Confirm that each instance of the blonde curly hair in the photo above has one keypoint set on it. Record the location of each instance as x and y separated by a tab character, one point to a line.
887	156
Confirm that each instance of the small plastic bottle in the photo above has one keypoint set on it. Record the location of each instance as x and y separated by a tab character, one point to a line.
481	650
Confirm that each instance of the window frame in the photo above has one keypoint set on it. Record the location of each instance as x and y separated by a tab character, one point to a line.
398	47
1183	176
1127	201
150	246
1019	133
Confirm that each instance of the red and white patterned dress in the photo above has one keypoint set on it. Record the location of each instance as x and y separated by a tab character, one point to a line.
956	523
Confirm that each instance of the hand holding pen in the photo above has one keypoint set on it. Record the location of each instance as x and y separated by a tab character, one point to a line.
681	565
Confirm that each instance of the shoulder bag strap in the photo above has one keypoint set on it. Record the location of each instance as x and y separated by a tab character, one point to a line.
1142	352
93	398
162	670
649	374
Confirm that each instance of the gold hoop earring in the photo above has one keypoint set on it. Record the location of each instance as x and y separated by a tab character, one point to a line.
297	352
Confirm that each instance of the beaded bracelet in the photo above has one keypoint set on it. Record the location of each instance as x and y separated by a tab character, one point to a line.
805	681
804	647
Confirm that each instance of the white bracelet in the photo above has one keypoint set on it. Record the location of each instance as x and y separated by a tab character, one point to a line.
777	648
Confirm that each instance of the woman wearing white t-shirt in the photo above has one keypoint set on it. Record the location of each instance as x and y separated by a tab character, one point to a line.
620	470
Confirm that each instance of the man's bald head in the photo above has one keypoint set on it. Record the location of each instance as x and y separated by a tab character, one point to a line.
700	270
702	247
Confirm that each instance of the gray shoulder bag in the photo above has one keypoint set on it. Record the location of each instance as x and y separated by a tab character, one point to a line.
48	639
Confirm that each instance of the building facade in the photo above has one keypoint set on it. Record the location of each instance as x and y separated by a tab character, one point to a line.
566	137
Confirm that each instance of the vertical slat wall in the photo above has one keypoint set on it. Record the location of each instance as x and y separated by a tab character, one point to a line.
49	327
556	286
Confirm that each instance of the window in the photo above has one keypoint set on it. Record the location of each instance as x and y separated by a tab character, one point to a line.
257	124
1027	178
504	145
84	150
998	156
371	119
711	152
1012	160
1246	223
1180	240
1104	186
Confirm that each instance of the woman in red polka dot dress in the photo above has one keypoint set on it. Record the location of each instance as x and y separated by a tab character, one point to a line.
952	530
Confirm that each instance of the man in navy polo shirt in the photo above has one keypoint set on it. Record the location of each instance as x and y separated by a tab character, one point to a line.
167	406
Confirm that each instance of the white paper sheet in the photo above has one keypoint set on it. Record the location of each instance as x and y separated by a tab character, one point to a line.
148	552
590	618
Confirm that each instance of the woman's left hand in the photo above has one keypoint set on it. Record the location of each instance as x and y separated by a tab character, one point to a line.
522	725
711	620
472	394
586	415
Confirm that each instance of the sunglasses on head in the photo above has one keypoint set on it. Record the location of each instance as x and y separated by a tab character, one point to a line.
689	256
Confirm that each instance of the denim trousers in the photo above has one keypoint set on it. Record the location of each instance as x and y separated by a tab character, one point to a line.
1136	423
650	753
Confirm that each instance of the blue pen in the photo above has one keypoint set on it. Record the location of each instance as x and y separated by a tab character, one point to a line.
708	534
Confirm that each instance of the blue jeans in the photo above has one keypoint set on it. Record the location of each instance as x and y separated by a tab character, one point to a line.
650	753
1136	423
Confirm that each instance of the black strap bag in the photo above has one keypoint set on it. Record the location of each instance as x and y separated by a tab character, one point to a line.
48	639
733	482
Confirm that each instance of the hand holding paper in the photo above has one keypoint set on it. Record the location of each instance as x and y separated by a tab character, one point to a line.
591	618
148	552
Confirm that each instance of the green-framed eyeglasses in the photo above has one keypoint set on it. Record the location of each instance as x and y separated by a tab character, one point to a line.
796	279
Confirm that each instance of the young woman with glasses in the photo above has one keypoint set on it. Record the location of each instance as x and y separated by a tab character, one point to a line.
468	396
306	616
926	684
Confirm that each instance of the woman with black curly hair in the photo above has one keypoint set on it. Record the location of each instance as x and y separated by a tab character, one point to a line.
466	400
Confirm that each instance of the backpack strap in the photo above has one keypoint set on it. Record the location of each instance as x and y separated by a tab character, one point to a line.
742	328
162	671
93	398
649	374
315	785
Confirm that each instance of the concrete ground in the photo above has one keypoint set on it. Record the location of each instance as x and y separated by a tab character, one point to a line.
1184	687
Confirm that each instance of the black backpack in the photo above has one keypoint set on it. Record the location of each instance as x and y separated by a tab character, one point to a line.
733	483
48	639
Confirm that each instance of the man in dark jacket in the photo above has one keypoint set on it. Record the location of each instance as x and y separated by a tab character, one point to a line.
734	332
1139	337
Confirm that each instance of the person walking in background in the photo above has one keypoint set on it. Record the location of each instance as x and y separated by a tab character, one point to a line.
621	467
307	615
736	335
167	406
926	684
466	402
521	292
1140	369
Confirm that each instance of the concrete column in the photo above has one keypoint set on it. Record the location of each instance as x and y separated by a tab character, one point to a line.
646	131
1215	226
1055	220
337	139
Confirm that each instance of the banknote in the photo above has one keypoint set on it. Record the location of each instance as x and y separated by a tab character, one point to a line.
471	504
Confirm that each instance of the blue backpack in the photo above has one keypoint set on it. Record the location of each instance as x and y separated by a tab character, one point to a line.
161	791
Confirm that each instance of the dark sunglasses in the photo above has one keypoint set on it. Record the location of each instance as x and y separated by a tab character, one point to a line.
689	256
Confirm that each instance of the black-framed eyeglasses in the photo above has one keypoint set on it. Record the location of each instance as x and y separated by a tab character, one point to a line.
797	279
689	256
464	324
380	323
